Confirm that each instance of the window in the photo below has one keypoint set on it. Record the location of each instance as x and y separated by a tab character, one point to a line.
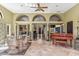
23	18
55	18
39	18
8	29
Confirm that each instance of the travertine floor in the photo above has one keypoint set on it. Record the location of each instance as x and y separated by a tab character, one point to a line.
43	48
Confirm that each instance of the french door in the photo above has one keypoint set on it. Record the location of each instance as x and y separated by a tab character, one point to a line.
39	31
22	30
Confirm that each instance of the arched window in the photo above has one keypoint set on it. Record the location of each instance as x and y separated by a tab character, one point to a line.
23	18
1	15
2	29
55	18
39	18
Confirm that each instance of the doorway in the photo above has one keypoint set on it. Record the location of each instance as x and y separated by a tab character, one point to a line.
70	27
22	30
55	28
39	31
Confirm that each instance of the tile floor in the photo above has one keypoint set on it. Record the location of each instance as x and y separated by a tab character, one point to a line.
43	48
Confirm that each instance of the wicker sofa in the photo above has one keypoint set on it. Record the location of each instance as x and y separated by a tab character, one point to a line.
19	46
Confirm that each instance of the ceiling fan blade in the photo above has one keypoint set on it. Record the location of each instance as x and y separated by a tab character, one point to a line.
37	10
44	7
42	10
38	5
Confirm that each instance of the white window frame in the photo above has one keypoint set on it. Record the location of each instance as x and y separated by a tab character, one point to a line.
9	27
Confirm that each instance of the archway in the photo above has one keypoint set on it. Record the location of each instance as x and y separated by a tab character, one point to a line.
39	28
2	30
53	28
22	28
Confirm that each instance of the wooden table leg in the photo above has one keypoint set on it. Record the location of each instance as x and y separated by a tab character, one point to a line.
71	43
53	42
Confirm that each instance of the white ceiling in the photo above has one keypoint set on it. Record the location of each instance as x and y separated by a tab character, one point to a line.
17	8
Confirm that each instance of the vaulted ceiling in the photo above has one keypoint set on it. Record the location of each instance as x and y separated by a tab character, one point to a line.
26	7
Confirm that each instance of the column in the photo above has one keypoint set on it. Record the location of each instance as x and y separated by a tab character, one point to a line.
31	35
47	31
37	32
41	30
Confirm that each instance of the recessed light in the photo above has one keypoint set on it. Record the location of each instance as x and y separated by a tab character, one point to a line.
57	5
22	5
58	11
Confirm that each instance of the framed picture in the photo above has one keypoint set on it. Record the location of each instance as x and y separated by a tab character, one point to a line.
8	29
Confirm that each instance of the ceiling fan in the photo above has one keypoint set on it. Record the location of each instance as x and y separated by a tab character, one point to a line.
39	7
